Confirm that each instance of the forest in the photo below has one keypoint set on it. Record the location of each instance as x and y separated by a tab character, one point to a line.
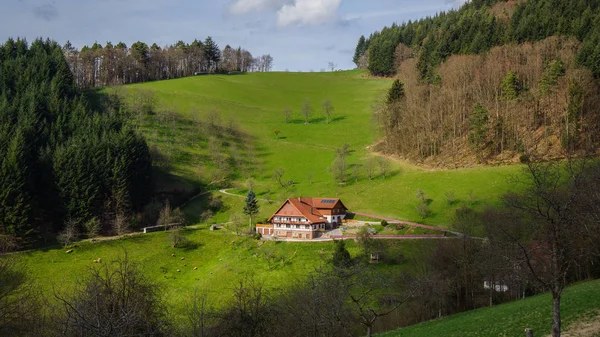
110	64
62	162
520	78
480	25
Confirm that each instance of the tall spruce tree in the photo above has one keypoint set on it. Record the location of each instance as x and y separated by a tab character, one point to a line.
213	53
396	92
251	207
360	51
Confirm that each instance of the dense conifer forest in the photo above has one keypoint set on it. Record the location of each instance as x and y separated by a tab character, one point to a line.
480	25
61	162
493	81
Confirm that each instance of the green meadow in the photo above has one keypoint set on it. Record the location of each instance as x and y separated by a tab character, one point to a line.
222	259
579	310
255	103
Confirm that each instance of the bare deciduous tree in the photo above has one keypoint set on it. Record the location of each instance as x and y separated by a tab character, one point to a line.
306	111
278	175
339	165
115	299
121	223
177	236
236	221
201	315
370	166
287	113
328	109
169	217
384	167
250	313
69	234
546	225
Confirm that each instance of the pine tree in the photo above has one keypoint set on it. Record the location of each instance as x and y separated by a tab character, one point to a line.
511	86
251	207
15	198
396	92
213	53
478	128
555	70
360	51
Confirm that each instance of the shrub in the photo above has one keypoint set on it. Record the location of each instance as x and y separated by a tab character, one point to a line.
384	223
177	237
92	227
115	299
341	256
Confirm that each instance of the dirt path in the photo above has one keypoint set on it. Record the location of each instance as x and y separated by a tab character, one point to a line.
224	191
408	223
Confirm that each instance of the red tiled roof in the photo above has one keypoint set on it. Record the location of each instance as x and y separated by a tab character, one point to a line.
323	203
309	208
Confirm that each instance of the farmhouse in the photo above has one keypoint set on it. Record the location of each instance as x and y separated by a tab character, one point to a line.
304	218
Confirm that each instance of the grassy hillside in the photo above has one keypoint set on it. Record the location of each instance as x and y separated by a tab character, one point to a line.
255	102
579	310
221	259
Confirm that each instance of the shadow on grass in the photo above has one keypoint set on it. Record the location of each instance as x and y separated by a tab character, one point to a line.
189	246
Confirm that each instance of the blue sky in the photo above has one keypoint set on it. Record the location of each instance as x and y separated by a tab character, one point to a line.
300	34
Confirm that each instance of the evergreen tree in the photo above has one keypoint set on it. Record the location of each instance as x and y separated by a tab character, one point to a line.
572	123
15	198
341	256
213	53
360	51
478	128
396	92
251	207
511	86
555	70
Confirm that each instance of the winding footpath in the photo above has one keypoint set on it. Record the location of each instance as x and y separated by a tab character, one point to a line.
408	223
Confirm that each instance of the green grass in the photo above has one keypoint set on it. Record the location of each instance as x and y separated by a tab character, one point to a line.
256	101
579	302
222	259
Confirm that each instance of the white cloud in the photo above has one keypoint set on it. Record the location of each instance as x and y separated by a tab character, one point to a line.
247	6
307	12
456	3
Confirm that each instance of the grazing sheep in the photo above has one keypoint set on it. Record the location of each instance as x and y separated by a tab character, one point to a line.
69	251
182	258
195	268
179	271
173	255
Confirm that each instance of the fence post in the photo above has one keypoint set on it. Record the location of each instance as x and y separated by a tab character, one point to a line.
528	332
